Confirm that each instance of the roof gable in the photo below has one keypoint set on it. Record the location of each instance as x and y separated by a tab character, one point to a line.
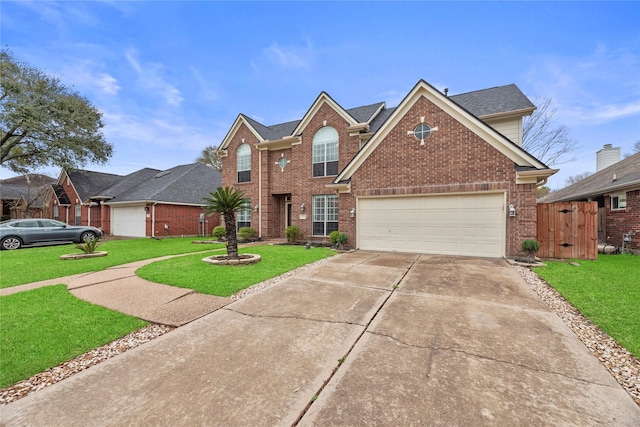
88	183
249	123
322	99
423	89
622	175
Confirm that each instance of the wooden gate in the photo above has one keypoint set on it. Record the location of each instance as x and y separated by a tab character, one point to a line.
568	230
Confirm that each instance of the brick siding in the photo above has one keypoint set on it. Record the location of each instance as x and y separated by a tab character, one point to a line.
622	221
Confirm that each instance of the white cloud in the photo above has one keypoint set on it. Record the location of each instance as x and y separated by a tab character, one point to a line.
600	87
285	57
150	78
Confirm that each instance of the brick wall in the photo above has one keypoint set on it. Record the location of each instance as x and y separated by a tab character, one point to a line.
620	222
181	220
296	179
454	159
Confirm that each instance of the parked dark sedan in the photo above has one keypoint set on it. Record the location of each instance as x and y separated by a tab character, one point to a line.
15	233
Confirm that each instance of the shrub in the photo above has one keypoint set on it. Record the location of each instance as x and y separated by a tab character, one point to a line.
530	247
89	246
218	232
292	233
247	233
342	238
333	237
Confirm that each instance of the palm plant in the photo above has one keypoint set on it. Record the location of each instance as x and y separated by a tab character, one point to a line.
227	201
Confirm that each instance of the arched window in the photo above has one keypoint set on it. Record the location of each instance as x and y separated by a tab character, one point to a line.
244	163
325	152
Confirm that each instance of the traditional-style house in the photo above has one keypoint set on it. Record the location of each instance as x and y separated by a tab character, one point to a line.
436	174
148	202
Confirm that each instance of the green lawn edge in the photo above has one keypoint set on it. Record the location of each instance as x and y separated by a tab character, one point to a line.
606	291
225	280
44	327
17	267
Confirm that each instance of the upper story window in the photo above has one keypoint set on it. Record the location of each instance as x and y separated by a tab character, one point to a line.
325	152
244	163
619	201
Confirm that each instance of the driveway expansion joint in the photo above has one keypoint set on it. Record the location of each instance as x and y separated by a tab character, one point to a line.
483	357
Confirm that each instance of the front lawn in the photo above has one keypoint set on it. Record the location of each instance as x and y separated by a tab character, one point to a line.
225	280
44	327
606	291
41	263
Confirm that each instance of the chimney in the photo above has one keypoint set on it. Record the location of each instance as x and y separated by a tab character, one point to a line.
607	156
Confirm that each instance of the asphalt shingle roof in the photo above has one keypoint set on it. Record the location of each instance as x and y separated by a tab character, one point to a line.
89	183
496	100
626	171
181	184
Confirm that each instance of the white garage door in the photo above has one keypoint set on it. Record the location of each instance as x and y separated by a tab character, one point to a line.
128	221
464	224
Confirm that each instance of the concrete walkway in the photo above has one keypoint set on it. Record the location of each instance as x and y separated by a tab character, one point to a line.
361	339
120	289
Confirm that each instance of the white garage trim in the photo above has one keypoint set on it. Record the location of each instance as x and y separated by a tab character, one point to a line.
128	221
468	224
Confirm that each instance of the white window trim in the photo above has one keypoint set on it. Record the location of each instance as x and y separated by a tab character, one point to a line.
619	196
325	212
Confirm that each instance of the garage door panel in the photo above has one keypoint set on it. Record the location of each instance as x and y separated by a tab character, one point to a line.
128	221
471	225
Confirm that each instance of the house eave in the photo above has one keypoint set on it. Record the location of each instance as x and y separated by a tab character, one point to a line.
515	113
279	144
342	187
538	176
603	191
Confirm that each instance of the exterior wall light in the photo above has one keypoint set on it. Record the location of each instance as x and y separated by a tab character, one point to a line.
512	210
352	212
302	207
256	208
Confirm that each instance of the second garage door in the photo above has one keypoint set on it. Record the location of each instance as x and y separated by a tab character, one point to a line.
128	221
461	224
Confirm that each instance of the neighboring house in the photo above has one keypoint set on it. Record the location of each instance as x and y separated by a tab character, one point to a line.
436	174
23	196
148	202
617	191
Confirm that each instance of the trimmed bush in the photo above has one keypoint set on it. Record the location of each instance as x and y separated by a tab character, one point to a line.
247	233
530	247
292	233
333	237
218	232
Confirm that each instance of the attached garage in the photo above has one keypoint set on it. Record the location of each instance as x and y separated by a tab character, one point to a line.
128	221
459	224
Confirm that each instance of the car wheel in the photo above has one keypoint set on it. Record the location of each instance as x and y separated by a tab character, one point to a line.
11	243
87	235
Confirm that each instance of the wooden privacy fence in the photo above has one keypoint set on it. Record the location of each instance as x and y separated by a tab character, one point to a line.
568	230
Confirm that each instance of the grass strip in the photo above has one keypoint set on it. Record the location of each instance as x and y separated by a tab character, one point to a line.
44	327
41	263
225	280
606	291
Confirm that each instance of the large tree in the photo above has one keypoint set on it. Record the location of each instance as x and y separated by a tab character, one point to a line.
210	157
548	141
44	123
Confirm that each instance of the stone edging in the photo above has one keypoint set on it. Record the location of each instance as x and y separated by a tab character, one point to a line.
83	255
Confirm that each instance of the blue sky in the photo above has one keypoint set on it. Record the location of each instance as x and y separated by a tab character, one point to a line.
171	77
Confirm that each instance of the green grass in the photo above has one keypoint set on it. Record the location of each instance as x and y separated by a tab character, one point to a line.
42	263
44	327
225	280
606	291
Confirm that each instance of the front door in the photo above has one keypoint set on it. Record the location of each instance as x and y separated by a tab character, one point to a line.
287	214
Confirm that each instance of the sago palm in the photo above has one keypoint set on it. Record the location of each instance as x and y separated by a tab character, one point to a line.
227	201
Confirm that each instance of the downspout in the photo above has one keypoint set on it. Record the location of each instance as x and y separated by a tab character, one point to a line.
153	219
260	193
89	214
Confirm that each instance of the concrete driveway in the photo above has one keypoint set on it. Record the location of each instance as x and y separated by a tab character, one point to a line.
361	339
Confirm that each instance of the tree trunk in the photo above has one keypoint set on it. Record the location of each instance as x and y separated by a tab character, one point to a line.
230	234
